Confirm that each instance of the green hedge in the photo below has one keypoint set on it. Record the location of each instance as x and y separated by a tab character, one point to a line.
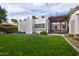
71	35
43	32
8	28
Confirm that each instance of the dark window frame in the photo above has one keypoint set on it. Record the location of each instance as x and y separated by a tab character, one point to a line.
39	25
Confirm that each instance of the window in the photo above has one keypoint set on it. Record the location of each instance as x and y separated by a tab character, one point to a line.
39	25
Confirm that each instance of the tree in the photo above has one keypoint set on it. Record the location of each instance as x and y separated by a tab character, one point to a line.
42	17
14	21
73	10
3	15
20	20
34	17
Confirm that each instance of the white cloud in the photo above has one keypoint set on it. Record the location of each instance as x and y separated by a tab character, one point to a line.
23	10
38	4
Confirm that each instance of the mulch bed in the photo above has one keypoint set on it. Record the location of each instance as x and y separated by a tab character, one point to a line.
74	42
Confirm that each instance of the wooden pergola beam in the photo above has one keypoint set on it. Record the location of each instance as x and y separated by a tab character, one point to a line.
60	19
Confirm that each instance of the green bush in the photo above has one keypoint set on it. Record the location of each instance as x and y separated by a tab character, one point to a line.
76	37
43	32
71	35
8	28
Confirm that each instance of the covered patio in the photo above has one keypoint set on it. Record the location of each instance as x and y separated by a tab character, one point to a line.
58	24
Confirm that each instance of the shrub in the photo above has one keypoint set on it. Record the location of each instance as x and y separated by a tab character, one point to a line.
43	32
36	33
71	35
76	37
77	34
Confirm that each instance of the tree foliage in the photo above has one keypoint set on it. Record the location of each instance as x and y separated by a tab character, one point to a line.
3	15
34	17
73	10
42	17
14	20
20	20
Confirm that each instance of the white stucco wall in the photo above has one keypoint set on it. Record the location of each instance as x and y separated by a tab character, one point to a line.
27	26
40	21
74	23
20	26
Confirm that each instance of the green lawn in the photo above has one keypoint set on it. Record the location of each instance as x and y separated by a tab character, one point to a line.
34	45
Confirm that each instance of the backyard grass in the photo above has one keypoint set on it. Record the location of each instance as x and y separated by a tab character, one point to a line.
34	45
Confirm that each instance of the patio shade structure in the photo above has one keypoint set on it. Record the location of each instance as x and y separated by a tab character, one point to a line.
60	19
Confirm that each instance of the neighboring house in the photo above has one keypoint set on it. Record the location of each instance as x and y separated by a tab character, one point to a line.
51	25
30	26
74	23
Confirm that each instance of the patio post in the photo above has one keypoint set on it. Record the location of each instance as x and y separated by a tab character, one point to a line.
60	26
50	30
65	27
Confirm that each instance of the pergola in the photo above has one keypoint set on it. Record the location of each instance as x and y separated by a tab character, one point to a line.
60	19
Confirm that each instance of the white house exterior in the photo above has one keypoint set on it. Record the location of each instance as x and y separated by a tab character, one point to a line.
25	26
74	23
30	26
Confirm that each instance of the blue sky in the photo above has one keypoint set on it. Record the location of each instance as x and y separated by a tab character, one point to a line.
24	10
